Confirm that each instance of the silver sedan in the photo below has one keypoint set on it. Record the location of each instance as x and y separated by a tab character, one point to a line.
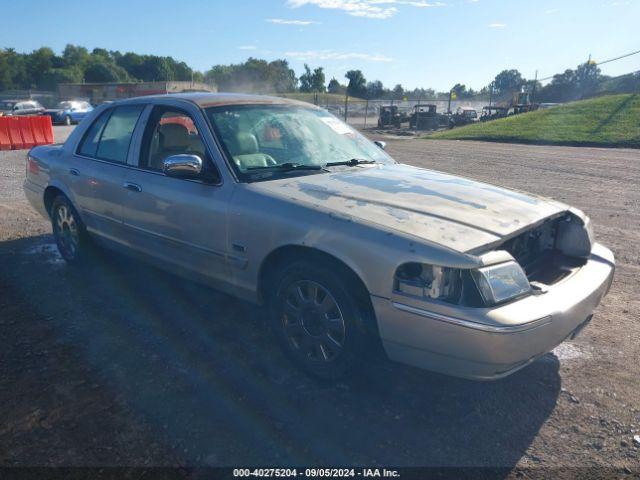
280	203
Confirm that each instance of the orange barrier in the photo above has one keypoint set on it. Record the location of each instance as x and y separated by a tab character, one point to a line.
25	132
5	142
14	133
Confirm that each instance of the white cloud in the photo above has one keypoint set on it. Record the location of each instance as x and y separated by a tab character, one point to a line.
551	11
497	25
247	47
380	9
333	55
282	21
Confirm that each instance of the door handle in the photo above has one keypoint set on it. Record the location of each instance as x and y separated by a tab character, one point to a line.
74	171
134	187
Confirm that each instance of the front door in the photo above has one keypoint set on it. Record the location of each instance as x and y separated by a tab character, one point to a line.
177	221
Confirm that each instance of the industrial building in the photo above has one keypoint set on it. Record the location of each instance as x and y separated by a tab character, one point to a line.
98	93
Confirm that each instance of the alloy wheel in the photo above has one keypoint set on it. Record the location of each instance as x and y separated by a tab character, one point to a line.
313	322
66	231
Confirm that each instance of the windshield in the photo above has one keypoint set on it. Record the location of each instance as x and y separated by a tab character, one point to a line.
260	138
6	105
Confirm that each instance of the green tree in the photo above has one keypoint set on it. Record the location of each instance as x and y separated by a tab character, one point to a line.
587	78
357	86
38	63
55	76
100	70
74	56
306	79
375	89
318	80
508	82
398	92
254	75
335	87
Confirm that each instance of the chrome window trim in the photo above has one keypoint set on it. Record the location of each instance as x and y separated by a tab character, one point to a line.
473	325
152	172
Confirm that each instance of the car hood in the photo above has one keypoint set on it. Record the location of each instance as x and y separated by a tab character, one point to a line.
456	212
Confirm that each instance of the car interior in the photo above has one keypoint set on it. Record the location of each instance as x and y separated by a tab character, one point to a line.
174	134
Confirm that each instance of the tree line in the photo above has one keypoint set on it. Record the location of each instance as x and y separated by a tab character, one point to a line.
43	69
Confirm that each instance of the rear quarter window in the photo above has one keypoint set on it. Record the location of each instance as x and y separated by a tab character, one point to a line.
89	144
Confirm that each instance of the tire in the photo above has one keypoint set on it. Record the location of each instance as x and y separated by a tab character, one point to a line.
67	120
316	318
69	232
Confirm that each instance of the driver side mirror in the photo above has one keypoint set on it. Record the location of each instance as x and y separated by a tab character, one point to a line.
188	166
182	166
381	144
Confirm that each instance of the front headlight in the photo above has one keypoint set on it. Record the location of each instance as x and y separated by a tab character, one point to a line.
482	287
502	282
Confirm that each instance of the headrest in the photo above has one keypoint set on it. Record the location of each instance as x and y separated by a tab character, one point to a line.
246	143
174	135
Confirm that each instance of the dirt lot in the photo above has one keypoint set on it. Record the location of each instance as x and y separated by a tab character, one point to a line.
99	369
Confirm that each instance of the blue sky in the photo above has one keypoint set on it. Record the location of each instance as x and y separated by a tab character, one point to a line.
425	43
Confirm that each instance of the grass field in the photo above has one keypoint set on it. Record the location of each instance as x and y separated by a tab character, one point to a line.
610	121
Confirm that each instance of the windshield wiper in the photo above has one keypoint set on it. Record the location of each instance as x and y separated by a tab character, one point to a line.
286	167
350	163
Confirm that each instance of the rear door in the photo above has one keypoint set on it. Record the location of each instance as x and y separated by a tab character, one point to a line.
98	167
178	221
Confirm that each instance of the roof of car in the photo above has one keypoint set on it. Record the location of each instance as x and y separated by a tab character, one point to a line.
205	99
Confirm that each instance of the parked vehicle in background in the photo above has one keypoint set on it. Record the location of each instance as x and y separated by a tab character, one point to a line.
426	117
390	115
20	107
280	203
464	116
493	112
69	111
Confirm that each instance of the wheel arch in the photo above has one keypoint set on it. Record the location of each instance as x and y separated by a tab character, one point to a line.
291	253
50	193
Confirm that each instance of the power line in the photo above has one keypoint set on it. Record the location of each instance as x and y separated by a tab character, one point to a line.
599	63
618	58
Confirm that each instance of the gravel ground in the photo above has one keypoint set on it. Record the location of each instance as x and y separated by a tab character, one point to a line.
99	369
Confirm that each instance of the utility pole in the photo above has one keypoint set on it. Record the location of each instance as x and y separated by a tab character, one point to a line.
449	105
535	83
346	103
366	110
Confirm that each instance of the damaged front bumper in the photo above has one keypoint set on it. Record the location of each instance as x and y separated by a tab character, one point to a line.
490	343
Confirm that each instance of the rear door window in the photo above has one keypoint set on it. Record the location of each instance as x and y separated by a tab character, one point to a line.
116	135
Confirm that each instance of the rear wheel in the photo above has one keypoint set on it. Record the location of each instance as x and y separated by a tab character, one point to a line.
316	317
69	232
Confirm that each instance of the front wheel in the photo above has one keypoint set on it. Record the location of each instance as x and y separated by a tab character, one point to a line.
316	317
69	232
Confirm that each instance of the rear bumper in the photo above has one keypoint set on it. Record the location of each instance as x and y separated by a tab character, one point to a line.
486	344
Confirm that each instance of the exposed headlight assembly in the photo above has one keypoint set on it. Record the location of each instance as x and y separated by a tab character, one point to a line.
428	281
575	235
482	287
502	282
